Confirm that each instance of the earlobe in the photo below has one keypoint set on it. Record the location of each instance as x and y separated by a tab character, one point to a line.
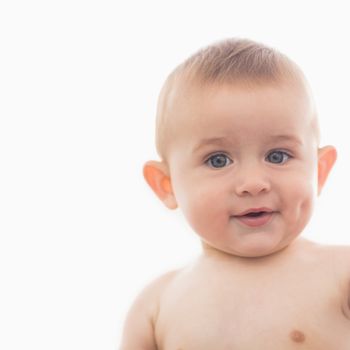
326	158
156	175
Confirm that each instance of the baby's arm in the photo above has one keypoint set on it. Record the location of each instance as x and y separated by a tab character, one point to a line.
138	328
138	331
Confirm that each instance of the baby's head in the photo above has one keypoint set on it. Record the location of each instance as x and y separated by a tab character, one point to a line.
238	138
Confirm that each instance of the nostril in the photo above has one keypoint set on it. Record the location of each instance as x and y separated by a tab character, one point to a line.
253	189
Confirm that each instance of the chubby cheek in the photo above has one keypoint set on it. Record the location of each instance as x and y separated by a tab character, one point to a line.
298	201
204	206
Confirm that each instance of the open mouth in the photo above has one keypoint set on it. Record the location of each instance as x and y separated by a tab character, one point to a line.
255	218
255	214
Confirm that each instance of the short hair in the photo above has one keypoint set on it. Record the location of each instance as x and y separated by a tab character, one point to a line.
230	61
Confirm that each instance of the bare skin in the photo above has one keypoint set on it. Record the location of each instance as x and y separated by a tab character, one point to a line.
245	168
294	299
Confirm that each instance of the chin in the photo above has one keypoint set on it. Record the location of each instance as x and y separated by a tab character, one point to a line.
257	254
258	250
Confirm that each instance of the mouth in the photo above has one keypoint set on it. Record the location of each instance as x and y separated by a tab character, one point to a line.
255	217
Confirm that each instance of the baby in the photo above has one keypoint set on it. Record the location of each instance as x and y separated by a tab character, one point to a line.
238	138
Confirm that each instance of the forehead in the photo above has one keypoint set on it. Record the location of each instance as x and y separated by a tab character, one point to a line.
216	111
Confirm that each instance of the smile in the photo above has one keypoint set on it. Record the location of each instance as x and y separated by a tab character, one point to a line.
255	217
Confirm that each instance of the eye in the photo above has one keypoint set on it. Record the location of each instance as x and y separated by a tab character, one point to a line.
219	160
278	157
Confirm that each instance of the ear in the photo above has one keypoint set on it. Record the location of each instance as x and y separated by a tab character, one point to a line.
156	175
326	158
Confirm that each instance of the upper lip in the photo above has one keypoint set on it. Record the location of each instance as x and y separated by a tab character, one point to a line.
255	210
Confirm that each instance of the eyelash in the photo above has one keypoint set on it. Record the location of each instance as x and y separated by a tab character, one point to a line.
286	156
208	161
284	153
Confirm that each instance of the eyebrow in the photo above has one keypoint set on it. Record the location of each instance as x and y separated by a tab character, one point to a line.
218	141
222	141
286	137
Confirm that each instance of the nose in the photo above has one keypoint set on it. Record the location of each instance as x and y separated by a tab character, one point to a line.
252	181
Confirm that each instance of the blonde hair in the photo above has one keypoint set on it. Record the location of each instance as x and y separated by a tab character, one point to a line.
231	61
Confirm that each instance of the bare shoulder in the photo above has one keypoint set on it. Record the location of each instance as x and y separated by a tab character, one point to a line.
337	256
138	332
342	254
152	292
148	299
341	265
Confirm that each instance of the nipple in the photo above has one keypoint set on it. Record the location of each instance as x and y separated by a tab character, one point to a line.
297	336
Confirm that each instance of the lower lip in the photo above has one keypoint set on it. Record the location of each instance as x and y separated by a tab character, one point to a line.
255	221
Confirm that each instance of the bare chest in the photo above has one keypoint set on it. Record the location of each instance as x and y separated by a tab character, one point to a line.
253	313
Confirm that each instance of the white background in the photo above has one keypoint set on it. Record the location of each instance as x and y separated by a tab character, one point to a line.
80	232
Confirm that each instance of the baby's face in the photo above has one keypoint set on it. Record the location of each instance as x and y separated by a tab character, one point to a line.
243	165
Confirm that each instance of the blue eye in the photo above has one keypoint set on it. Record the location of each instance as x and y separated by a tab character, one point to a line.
278	157
218	161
